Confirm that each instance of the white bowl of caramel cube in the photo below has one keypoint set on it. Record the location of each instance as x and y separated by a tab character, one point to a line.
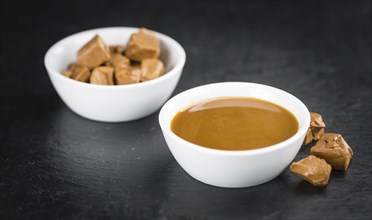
115	74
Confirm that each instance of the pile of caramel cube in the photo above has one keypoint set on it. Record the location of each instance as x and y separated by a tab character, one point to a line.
330	152
100	64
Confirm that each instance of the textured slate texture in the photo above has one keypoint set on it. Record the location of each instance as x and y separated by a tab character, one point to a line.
56	165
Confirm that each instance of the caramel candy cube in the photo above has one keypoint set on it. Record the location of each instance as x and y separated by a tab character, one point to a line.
312	169
317	133
316	120
94	53
151	69
308	137
102	75
143	45
317	125
316	128
334	149
127	75
78	72
118	61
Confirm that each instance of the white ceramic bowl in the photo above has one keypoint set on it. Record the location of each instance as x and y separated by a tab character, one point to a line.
234	169
113	103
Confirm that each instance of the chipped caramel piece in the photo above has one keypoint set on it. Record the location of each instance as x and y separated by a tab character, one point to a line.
127	75
312	169
317	133
316	120
78	72
118	61
317	125
102	75
316	128
308	137
334	149
94	53
143	45
151	69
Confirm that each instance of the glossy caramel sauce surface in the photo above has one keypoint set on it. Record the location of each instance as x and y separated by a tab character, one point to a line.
235	123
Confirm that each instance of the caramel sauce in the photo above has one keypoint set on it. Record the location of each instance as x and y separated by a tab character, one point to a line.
235	123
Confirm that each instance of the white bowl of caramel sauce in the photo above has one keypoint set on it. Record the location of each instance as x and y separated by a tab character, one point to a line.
234	134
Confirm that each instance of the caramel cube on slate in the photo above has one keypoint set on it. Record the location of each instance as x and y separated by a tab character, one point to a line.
94	53
77	72
102	75
143	45
127	75
312	169
151	69
308	137
317	125
334	149
316	128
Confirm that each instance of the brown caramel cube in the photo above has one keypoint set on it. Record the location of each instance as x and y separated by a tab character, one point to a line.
127	75
79	72
316	120
334	149
151	69
94	53
317	125
308	137
143	45
316	128
102	75
117	61
317	133
312	169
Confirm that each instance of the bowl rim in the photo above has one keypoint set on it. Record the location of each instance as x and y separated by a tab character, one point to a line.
301	130
180	61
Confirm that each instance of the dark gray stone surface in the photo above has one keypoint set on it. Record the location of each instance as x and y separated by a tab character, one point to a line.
57	165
